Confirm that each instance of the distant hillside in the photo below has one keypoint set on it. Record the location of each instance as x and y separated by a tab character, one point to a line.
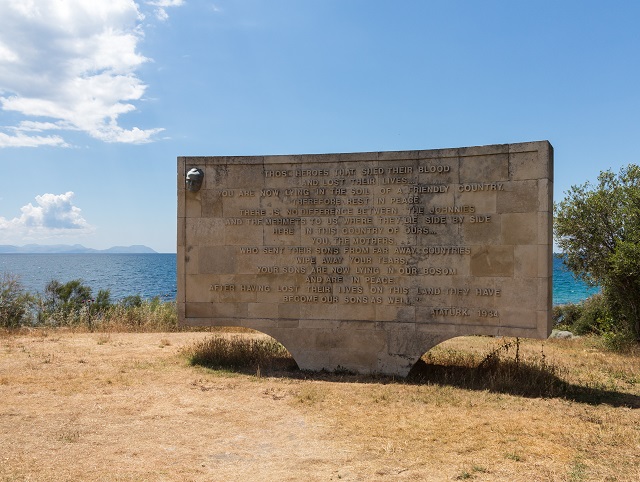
72	249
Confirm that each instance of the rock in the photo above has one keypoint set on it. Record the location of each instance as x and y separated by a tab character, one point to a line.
566	335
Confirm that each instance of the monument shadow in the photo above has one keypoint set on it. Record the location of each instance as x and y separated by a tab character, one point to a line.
495	373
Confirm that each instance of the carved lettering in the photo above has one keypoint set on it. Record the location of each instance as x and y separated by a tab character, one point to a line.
451	311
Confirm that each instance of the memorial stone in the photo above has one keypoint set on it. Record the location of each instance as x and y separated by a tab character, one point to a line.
364	261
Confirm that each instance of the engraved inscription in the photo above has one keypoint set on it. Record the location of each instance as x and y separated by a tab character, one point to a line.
361	232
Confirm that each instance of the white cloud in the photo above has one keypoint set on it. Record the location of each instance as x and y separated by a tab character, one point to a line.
34	126
166	3
22	140
71	65
161	13
53	215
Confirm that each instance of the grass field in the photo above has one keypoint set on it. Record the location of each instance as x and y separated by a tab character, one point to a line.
130	406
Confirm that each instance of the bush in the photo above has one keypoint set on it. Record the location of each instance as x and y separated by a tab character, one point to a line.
595	317
565	316
134	301
15	304
239	352
72	303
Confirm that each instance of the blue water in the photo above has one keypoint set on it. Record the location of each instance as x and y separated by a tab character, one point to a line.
566	289
147	275
150	275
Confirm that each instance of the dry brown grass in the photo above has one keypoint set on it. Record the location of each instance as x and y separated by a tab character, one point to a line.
118	406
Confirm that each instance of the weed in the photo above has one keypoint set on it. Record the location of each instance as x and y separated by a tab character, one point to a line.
69	436
513	456
381	397
465	474
310	394
578	470
239	352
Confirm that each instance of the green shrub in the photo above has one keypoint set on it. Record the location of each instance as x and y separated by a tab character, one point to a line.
595	317
15	304
133	301
72	303
566	315
622	341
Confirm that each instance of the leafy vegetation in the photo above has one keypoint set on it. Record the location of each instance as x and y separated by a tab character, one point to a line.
15	304
73	305
598	229
593	317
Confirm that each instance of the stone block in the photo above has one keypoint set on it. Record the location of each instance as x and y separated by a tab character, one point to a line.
189	256
545	261
181	238
545	195
217	259
531	161
484	202
518	318
545	228
526	261
204	232
481	229
522	197
477	151
519	228
484	169
264	310
212	203
493	261
216	310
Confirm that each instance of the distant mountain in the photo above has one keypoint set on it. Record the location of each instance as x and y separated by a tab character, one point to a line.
72	249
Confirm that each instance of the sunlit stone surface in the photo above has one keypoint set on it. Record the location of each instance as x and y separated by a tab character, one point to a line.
364	261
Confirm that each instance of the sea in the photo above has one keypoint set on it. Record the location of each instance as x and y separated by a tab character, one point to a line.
154	275
147	275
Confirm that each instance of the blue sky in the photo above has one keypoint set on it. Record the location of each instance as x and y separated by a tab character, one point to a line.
97	99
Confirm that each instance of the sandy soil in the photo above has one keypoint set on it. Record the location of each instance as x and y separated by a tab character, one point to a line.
128	407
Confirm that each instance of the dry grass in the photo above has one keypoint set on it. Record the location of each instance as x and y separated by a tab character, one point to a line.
122	406
239	352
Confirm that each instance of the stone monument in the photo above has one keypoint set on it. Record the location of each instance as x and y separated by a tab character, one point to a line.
364	261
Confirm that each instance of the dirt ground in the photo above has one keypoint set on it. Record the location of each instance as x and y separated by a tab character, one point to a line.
124	406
